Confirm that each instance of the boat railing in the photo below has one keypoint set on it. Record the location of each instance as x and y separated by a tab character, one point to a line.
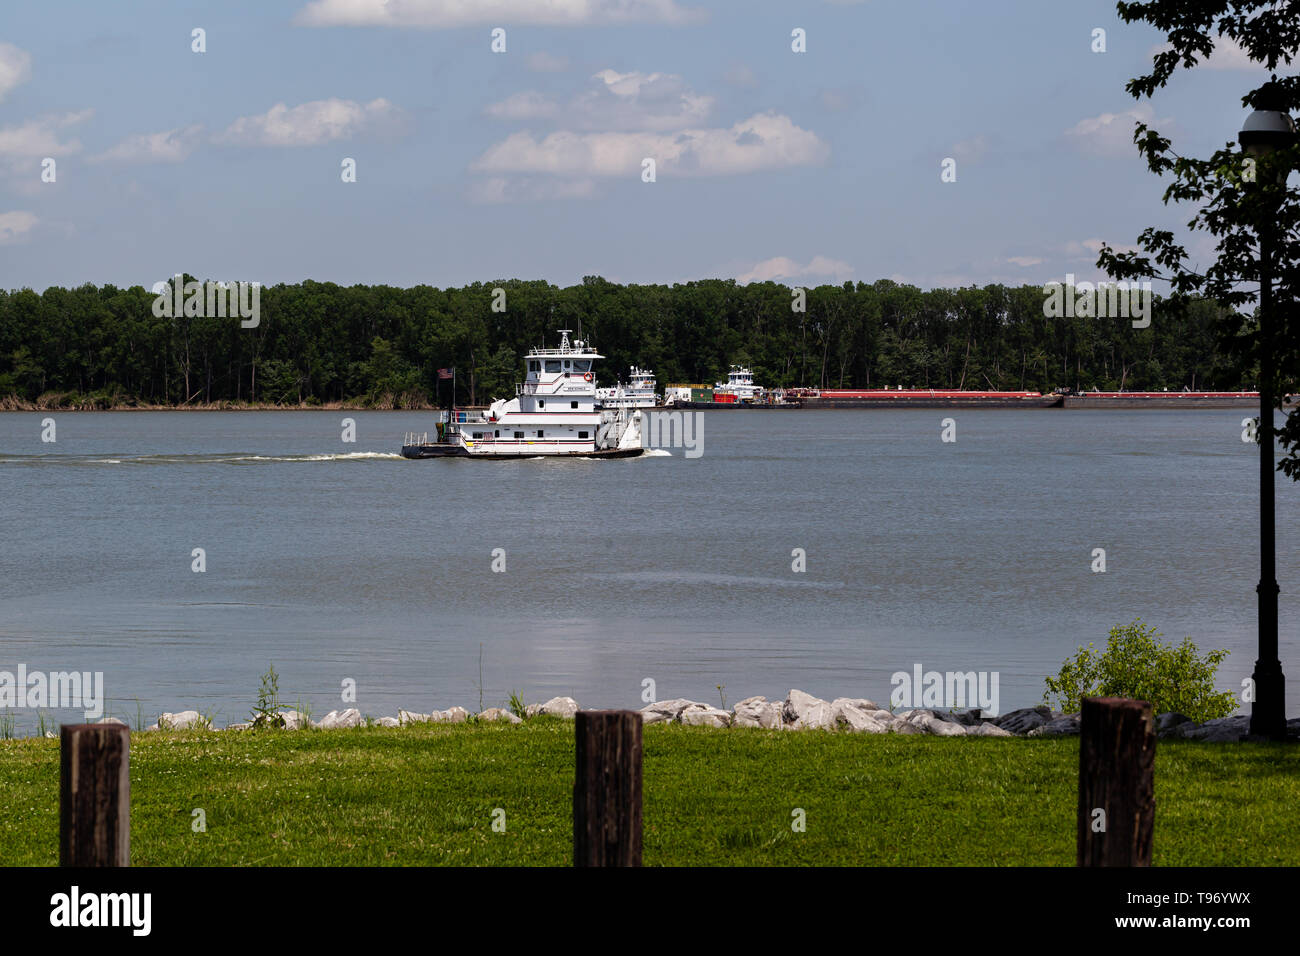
416	438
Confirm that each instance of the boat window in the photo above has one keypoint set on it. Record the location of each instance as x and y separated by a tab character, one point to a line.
539	433
498	433
582	365
582	434
541	403
552	365
519	434
566	363
534	366
573	404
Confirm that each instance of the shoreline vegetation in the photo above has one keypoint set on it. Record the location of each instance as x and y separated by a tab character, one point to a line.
319	344
71	402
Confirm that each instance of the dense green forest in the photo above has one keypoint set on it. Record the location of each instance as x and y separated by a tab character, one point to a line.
379	345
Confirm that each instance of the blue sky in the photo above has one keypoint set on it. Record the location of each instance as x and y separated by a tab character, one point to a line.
472	165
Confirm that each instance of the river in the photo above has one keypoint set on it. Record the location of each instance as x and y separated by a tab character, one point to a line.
340	561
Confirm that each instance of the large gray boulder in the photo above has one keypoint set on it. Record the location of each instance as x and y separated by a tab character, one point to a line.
930	722
337	719
295	719
903	727
1024	720
181	720
802	710
758	712
1061	725
967	718
455	715
1221	729
666	711
499	713
387	722
702	715
555	707
1172	724
988	729
860	715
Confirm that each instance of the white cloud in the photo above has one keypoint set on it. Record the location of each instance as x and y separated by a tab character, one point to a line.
435	14
782	267
617	101
1227	54
15	67
503	189
313	123
1025	261
764	141
14	225
1111	134
34	139
543	62
169	146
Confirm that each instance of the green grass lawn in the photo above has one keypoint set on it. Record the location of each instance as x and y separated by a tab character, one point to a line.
425	795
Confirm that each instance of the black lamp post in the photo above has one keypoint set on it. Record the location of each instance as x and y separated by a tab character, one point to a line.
1267	130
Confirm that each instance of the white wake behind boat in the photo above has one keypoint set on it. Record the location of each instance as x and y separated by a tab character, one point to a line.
553	413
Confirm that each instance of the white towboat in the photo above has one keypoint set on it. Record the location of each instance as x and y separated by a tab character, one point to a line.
740	383
553	413
639	392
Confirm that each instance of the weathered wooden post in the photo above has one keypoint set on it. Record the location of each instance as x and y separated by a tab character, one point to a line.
607	788
1117	806
95	795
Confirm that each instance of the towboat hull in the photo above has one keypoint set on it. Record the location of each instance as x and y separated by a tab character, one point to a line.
446	450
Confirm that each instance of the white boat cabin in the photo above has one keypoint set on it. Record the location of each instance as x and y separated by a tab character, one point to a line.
554	410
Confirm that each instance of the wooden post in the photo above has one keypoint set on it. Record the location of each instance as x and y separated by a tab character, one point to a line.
1117	754
607	788
95	795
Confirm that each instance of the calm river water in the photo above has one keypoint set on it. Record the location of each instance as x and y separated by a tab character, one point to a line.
341	561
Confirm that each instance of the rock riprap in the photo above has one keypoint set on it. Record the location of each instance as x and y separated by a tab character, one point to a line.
798	711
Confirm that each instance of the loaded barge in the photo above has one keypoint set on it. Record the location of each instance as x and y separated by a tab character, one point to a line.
963	398
1161	400
921	398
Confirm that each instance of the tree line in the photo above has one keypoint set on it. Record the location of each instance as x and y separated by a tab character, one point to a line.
318	342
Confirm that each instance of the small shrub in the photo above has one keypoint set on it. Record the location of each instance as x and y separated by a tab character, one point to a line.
517	706
1137	665
267	711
